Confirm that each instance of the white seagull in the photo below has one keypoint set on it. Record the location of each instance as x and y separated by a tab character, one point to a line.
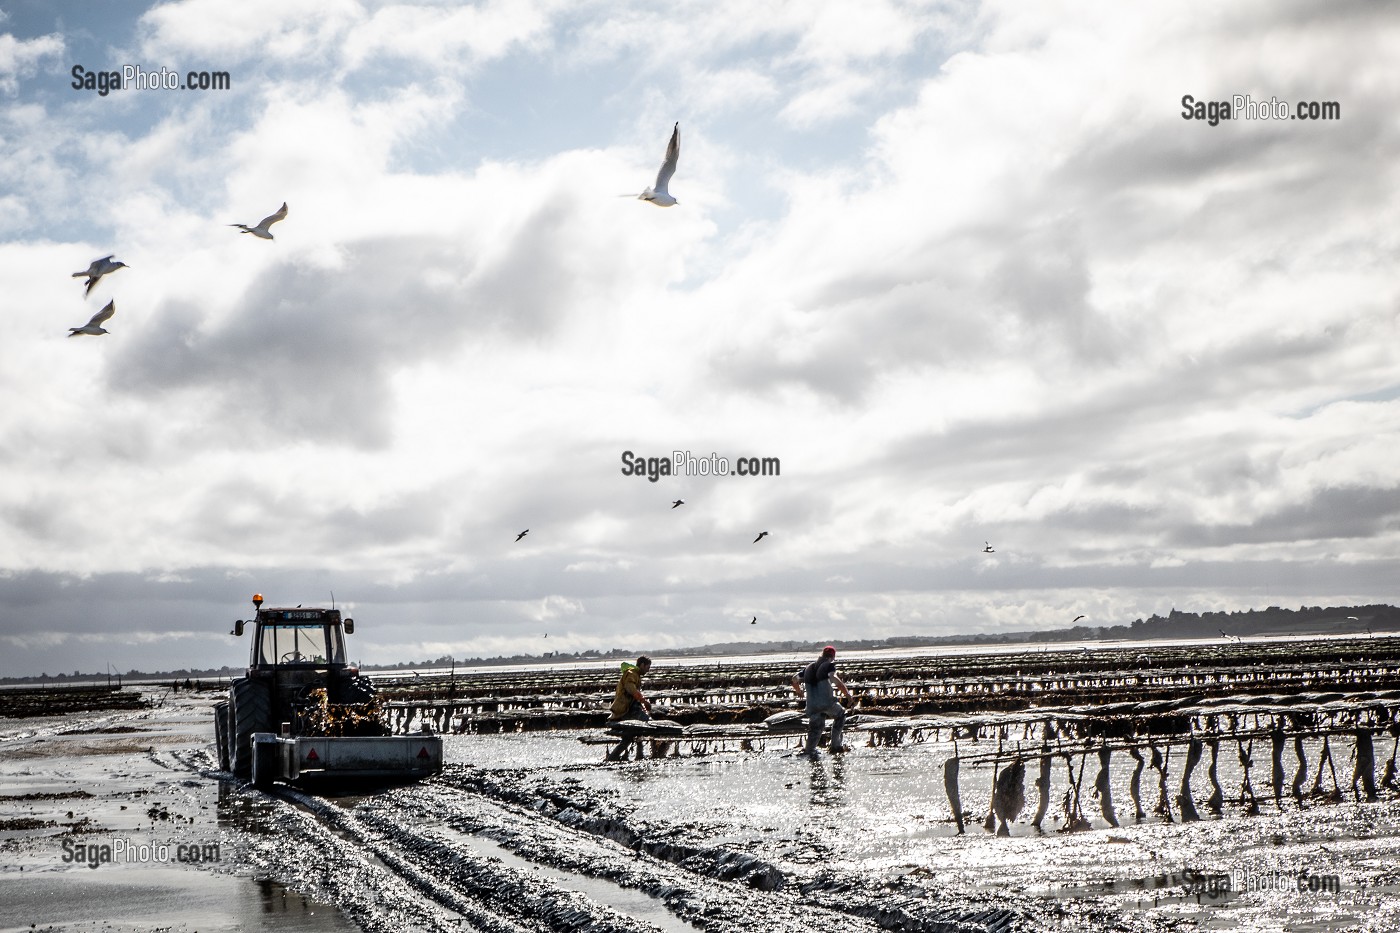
658	193
94	326
97	270
261	229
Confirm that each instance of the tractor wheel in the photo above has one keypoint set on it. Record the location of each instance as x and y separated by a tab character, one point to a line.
250	711
358	689
221	734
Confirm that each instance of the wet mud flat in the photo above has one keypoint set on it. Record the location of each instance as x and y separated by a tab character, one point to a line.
726	827
110	821
1283	827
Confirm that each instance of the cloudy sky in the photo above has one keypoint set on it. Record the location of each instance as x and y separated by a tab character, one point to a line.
964	268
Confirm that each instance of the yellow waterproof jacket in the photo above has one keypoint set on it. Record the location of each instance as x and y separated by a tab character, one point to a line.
629	688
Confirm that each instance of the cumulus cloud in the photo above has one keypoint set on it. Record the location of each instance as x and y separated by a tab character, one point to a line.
964	270
20	58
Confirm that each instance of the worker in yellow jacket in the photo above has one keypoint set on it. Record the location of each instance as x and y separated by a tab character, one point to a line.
629	703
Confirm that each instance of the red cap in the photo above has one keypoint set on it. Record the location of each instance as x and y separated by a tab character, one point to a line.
829	649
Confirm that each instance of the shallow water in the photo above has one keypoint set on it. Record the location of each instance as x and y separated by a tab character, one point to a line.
165	898
126	779
881	812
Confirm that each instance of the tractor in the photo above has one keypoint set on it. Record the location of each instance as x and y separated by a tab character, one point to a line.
302	713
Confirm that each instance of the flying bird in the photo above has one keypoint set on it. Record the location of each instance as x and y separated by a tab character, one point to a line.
1075	619
754	620
761	536
94	326
658	193
678	503
97	270
987	548
522	534
261	229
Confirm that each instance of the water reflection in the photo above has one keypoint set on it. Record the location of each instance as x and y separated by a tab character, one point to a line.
828	788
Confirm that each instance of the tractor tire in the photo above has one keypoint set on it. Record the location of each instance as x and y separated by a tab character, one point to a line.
221	734
250	710
357	689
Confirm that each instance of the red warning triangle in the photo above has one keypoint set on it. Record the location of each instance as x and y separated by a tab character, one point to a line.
423	752
312	756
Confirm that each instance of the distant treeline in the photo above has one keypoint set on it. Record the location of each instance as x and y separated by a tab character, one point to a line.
1305	620
1271	621
116	677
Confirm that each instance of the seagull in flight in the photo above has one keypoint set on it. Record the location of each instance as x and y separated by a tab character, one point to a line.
1075	619
761	536
987	548
522	534
94	326
97	270
658	193
678	503
754	620
261	229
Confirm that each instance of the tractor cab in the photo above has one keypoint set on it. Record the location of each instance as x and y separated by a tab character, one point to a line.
298	638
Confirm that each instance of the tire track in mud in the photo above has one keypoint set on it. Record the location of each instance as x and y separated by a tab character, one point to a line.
290	843
490	895
564	826
299	851
420	857
412	858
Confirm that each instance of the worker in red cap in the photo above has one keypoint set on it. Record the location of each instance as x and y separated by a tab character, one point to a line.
814	683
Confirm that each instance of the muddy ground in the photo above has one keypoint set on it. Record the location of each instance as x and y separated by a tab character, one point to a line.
535	832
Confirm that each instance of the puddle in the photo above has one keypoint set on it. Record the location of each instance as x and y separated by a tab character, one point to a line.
141	898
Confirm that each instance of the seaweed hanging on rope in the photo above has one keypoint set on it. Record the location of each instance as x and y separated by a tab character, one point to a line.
1159	762
1074	812
1388	779
1184	803
1103	790
950	787
1248	801
1009	797
990	823
1135	784
1042	782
